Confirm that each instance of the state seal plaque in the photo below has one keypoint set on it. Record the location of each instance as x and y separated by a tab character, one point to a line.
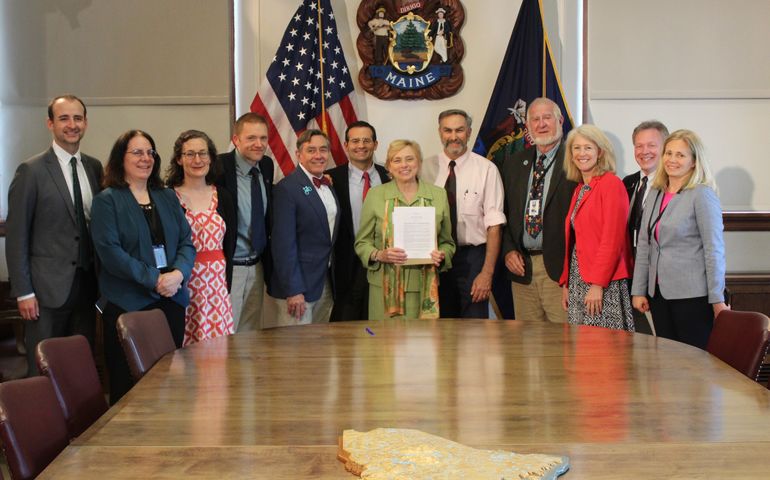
411	49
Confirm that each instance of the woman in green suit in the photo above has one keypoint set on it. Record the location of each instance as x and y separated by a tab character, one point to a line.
397	289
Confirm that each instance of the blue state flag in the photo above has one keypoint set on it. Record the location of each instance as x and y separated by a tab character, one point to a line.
527	73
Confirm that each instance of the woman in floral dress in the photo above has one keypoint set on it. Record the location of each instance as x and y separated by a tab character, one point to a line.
211	214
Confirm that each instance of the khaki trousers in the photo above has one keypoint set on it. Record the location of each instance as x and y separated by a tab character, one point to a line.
539	301
247	295
276	313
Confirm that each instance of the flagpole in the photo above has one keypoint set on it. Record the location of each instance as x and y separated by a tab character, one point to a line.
321	67
544	48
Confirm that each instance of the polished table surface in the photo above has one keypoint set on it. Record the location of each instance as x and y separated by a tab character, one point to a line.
271	404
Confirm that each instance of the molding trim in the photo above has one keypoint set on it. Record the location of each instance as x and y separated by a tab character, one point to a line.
746	221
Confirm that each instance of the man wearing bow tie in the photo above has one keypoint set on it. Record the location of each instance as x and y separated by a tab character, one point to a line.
305	227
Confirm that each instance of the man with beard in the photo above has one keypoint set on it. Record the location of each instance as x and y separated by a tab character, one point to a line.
475	194
537	198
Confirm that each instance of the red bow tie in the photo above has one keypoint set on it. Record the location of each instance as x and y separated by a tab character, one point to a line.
321	181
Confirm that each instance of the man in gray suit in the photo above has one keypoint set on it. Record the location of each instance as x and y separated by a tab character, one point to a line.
48	246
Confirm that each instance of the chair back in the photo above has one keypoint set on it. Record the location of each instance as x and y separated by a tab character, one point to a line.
68	362
145	337
32	426
741	340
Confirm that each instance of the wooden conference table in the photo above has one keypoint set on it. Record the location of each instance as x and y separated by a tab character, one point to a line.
271	404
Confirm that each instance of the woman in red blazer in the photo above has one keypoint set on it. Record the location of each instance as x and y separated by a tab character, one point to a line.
598	259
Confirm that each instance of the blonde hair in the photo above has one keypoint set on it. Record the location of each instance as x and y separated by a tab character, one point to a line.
398	145
701	173
605	161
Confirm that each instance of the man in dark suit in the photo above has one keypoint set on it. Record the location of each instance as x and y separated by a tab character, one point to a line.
247	174
351	182
307	219
48	246
648	138
537	198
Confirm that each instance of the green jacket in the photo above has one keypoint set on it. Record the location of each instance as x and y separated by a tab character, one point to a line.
369	237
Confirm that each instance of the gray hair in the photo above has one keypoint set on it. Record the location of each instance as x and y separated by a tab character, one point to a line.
456	111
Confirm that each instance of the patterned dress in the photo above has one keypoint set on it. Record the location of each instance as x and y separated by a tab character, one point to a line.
616	303
210	313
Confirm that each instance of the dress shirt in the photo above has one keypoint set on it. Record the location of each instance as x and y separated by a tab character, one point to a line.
479	196
527	240
85	186
356	190
327	197
243	250
649	184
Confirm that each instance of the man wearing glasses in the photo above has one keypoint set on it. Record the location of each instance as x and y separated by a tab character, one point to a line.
48	246
351	182
248	177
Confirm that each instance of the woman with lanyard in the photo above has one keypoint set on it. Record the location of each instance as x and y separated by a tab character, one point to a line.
397	289
143	241
680	257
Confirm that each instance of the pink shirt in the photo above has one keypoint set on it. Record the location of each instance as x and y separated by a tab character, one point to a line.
479	196
666	198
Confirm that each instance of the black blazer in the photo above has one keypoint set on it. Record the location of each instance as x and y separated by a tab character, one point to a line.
515	168
227	180
632	183
345	258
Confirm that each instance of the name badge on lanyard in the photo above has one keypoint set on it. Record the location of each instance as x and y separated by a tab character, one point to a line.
159	251
534	208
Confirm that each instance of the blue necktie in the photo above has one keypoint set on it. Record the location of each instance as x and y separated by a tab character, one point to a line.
258	234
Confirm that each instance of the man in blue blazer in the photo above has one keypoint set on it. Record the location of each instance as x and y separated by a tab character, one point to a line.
48	248
305	225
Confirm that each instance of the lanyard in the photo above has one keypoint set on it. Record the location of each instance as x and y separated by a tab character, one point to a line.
650	223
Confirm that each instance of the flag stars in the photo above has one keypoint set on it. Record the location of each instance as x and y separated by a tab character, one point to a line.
337	50
326	45
306	36
295	81
286	62
293	32
282	77
330	79
329	30
303	51
335	65
301	115
289	47
292	96
305	100
297	18
345	70
299	66
342	84
308	86
328	94
309	21
312	6
312	105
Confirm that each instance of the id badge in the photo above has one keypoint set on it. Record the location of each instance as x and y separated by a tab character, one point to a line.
534	208
160	256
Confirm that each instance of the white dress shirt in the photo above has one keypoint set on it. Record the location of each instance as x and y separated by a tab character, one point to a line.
85	186
327	197
356	190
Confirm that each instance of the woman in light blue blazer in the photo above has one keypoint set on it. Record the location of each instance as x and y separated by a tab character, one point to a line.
680	258
143	242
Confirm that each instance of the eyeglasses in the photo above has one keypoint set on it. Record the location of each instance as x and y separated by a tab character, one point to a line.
139	153
192	155
358	141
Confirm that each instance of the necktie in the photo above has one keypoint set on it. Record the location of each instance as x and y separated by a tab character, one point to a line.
451	193
321	181
84	247
535	221
367	185
636	210
258	235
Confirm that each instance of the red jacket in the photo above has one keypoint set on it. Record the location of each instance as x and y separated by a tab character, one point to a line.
601	239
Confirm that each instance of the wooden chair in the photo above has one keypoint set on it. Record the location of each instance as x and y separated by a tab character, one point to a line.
145	337
32	426
741	340
68	362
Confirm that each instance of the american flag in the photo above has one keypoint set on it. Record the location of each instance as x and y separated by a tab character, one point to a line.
308	85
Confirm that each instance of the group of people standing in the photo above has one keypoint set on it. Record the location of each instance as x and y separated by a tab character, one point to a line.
220	249
581	238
